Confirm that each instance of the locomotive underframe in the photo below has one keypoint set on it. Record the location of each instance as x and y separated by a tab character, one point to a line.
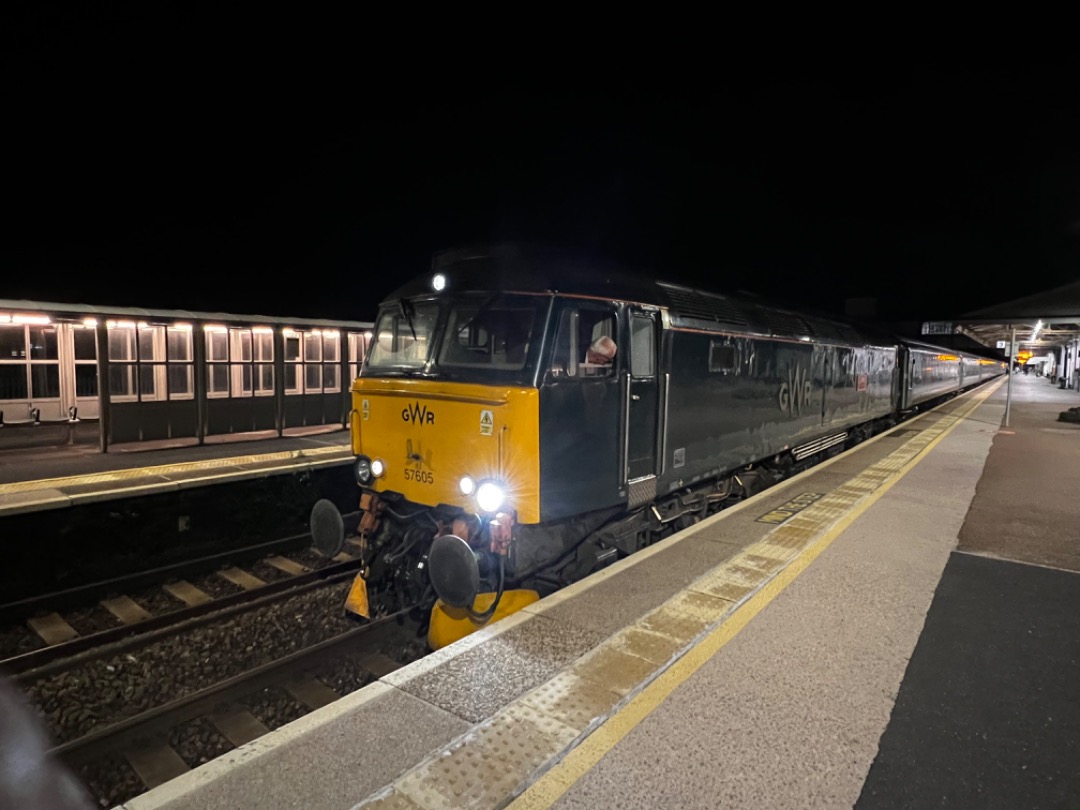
396	534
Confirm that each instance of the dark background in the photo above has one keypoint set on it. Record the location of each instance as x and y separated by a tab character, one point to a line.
160	159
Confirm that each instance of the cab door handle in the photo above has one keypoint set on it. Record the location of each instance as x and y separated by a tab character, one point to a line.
635	397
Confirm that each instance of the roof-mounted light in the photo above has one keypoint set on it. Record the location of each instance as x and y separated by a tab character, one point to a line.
438	282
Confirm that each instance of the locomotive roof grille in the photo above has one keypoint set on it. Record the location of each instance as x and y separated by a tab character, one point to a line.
785	323
704	306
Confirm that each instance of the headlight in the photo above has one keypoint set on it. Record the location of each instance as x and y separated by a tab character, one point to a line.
490	496
362	470
467	485
377	467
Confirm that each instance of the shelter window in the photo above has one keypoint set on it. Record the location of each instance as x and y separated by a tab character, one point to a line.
84	341
14	371
217	361
180	362
292	362
313	347
331	355
262	345
133	350
358	344
312	361
29	362
251	368
30	353
240	361
44	362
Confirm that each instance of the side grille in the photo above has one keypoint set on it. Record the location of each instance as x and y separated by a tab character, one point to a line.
817	446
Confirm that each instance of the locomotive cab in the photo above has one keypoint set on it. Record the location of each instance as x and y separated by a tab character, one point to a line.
489	409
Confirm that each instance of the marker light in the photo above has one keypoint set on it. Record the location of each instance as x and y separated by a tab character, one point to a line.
490	496
467	485
438	282
377	467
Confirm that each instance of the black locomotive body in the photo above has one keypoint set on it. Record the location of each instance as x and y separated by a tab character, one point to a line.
525	417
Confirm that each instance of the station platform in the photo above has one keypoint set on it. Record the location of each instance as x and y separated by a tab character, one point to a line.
43	478
896	627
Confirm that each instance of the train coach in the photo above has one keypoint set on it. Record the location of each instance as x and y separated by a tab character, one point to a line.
525	417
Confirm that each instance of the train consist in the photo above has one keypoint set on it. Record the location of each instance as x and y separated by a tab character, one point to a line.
525	418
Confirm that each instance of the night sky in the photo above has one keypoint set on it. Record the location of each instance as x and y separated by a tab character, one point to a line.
152	164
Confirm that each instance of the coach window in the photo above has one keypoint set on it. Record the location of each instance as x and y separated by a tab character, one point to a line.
579	327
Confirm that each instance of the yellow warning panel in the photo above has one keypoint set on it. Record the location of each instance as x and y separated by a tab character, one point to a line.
449	624
357	601
792	507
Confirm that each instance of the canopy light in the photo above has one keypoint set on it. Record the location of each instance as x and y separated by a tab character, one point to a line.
438	282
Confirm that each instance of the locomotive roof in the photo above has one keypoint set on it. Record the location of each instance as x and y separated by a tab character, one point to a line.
530	269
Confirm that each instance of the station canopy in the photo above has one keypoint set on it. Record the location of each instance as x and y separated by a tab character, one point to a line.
1042	322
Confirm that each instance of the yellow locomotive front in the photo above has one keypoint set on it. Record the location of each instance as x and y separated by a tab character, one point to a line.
445	431
468	446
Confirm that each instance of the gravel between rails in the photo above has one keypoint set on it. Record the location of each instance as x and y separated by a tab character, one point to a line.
112	781
105	691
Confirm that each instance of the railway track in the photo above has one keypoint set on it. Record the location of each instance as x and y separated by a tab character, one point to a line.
132	706
39	663
144	677
54	625
122	759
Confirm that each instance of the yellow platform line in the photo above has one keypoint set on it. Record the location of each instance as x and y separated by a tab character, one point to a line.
563	774
167	469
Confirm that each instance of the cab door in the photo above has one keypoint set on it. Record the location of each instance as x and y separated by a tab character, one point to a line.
642	397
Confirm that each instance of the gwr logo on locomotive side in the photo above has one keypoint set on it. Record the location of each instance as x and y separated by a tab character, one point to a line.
418	413
795	392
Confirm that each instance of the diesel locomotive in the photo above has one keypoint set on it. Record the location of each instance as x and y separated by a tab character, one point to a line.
525	417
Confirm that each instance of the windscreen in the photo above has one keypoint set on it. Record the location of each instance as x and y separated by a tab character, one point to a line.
492	333
458	337
403	336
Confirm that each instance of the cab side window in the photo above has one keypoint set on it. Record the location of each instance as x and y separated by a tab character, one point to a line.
585	345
